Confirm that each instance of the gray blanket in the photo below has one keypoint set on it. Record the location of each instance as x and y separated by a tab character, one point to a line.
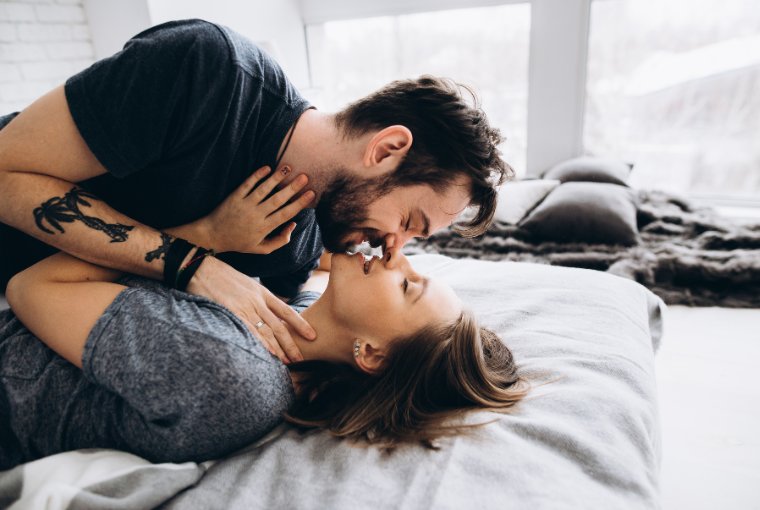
94	480
589	440
688	255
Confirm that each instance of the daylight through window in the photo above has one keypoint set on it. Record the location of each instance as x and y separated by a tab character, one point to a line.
485	48
672	86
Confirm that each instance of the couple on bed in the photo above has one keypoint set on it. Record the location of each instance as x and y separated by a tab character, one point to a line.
139	337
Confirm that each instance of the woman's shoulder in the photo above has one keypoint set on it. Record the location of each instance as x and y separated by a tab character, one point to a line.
181	315
149	309
192	367
149	284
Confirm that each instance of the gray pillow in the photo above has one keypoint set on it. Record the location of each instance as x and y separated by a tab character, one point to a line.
585	212
591	170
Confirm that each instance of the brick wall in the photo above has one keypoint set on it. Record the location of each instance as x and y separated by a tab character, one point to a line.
42	43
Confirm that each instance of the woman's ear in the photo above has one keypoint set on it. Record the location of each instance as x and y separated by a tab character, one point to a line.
368	358
387	148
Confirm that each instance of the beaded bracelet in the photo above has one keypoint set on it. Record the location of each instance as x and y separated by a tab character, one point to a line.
186	273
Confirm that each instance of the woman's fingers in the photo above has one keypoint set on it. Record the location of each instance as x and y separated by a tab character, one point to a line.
282	337
290	316
269	245
280	198
266	187
248	184
289	211
259	337
265	335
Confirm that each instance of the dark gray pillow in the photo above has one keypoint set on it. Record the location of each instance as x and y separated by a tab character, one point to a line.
590	170
585	212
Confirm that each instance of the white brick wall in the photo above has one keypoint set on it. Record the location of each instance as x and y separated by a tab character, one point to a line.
42	43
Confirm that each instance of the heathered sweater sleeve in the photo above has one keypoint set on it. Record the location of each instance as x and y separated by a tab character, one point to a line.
196	383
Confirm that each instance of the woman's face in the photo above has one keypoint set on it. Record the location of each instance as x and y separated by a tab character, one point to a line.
387	299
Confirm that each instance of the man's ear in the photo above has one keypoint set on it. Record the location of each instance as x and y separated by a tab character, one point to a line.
387	148
370	359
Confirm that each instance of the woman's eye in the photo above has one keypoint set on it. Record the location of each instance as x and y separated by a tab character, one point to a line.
406	284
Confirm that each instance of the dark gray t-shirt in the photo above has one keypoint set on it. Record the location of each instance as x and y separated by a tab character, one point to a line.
169	376
180	118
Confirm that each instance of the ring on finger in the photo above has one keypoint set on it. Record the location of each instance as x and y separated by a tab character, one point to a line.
258	324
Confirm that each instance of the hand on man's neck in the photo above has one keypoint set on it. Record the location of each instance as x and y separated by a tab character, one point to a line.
318	149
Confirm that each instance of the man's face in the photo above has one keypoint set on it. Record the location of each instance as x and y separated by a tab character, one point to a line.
350	213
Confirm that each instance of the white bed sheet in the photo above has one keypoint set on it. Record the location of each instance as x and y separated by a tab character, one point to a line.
589	440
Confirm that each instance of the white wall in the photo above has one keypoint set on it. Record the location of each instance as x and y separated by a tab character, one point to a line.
41	45
114	22
275	24
43	42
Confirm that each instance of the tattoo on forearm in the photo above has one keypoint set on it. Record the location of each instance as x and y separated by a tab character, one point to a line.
65	209
160	252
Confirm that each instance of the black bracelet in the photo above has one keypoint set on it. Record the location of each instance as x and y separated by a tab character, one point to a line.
186	274
174	257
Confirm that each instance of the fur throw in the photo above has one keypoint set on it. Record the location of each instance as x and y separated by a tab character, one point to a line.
687	256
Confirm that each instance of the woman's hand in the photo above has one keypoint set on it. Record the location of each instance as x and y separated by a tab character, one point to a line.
253	304
244	220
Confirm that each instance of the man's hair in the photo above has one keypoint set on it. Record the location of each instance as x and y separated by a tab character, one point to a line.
451	138
428	383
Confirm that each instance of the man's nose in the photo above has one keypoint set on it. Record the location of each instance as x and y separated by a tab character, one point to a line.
397	240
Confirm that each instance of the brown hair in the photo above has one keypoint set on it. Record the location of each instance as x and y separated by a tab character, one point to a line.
451	138
428	381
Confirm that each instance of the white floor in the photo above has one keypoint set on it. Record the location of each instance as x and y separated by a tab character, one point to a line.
708	374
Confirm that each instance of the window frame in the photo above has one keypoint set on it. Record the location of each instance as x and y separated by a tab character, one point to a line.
556	70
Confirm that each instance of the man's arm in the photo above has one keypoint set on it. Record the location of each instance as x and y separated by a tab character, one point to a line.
42	156
317	282
325	262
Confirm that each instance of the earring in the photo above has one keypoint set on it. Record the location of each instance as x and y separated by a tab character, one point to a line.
357	344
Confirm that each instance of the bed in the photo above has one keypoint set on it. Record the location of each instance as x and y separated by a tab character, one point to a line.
590	439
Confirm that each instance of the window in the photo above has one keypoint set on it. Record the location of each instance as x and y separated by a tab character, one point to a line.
672	86
483	47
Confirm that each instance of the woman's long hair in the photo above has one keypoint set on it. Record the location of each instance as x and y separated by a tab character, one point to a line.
428	382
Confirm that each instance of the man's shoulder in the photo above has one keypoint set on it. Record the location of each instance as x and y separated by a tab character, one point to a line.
184	35
218	41
192	32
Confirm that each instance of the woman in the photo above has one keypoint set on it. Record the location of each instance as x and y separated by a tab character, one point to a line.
92	359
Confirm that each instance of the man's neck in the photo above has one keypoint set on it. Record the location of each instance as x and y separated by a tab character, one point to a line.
318	150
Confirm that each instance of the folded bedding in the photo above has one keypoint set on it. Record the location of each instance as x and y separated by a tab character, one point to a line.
588	435
94	479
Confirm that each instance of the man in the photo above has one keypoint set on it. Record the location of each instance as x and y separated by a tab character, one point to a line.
162	132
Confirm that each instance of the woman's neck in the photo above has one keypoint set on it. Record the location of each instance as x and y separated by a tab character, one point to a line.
333	343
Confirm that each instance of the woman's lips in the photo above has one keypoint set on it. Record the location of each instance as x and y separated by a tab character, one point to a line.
369	265
365	263
358	256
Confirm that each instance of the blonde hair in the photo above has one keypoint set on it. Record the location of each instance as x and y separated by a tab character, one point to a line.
429	381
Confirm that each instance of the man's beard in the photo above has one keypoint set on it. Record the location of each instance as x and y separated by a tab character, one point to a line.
342	208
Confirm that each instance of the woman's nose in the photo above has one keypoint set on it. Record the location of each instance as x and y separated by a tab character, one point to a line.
393	258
